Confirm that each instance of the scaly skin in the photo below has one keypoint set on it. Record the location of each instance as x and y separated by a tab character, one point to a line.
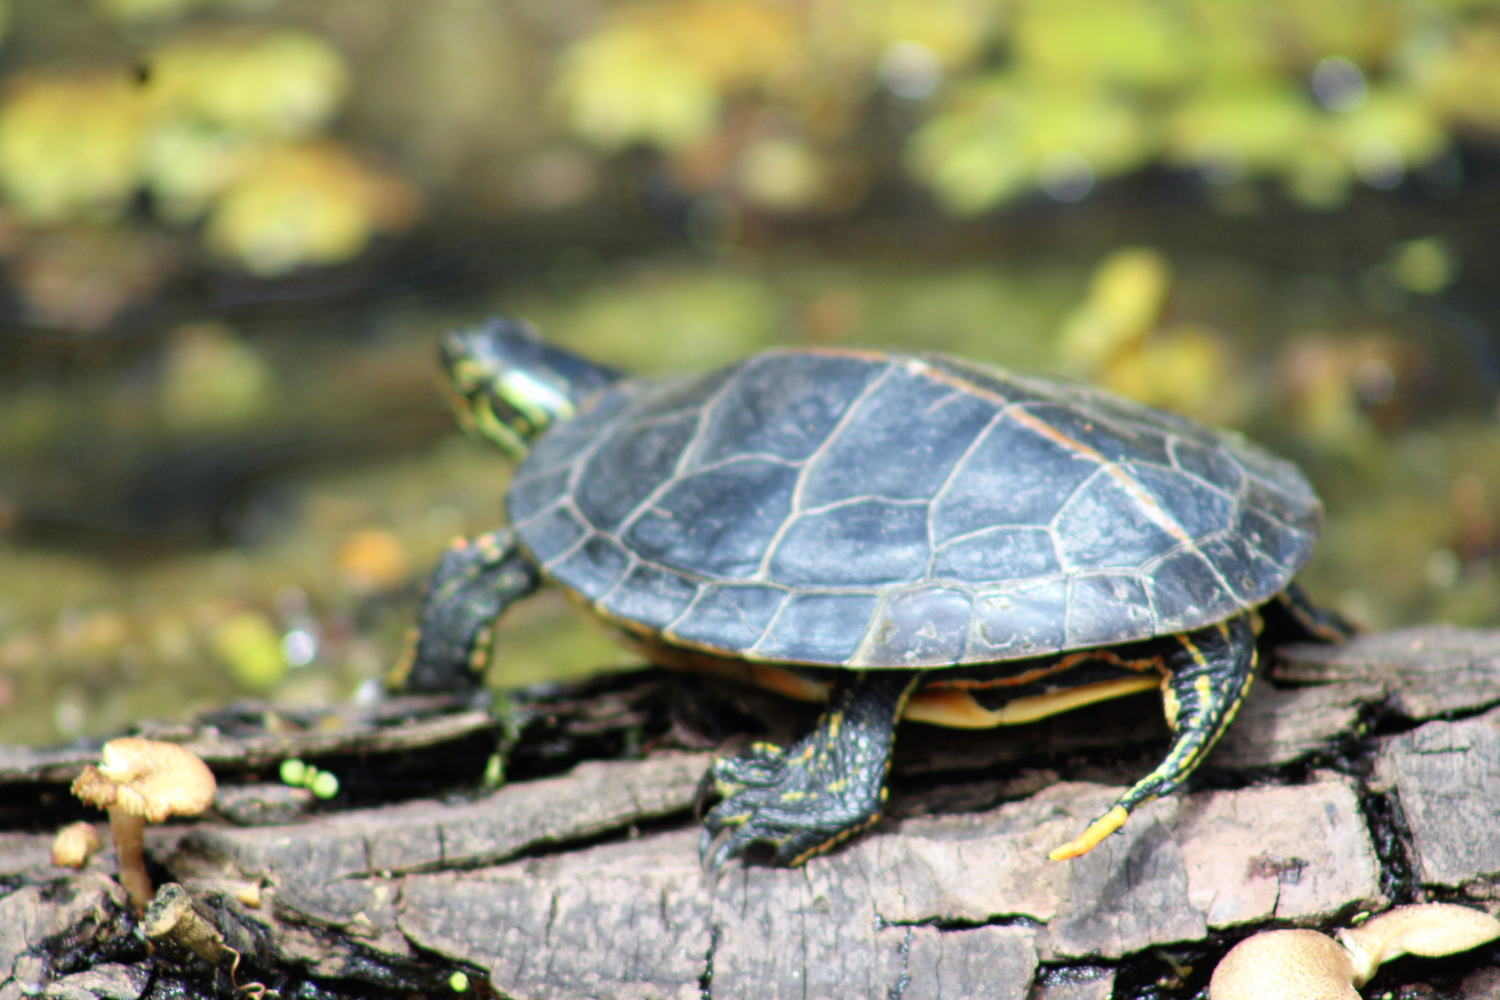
825	788
474	582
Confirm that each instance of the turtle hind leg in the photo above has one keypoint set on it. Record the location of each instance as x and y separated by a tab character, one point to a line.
1291	617
1207	676
804	799
474	582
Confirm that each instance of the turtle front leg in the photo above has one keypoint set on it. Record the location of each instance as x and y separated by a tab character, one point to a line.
1208	674
804	799
474	582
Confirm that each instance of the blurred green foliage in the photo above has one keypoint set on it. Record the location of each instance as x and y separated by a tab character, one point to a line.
1004	97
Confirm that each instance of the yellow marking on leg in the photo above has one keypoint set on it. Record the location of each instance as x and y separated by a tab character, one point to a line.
793	796
1192	649
479	656
1204	687
833	842
1090	838
1170	707
835	720
959	710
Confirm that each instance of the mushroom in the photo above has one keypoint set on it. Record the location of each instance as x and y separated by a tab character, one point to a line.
74	845
1285	965
1306	965
143	781
1427	929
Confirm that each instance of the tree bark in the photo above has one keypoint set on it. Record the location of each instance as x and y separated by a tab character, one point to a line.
1356	777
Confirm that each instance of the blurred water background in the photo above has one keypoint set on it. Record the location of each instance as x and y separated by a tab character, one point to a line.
231	229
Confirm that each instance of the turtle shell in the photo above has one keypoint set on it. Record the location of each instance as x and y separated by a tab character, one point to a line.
864	509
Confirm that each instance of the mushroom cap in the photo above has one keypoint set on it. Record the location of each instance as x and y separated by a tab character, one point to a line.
1285	965
147	778
1427	929
75	844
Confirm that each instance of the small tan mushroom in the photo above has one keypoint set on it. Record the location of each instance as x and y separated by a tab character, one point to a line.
143	781
1306	965
1427	929
75	844
1285	965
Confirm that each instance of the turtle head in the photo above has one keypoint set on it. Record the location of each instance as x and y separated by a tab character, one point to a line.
509	386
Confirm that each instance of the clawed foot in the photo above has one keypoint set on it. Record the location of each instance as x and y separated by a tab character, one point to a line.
801	802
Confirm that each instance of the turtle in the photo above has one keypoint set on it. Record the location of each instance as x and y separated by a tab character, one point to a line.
901	536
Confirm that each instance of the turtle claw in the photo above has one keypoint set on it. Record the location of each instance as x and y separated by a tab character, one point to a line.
793	802
804	799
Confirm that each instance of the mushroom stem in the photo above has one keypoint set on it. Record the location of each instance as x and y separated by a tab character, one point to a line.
130	841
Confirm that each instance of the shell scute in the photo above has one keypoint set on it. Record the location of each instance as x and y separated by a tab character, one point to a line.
650	595
817	628
1106	609
598	565
922	626
1009	550
1197	507
853	544
876	456
1095	436
1022	621
1110	525
1012	476
1245	569
1208	464
1280	542
629	466
783	404
555	530
735	615
717	522
1187	587
1271	502
538	491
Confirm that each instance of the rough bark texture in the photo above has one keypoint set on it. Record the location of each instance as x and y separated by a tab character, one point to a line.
1356	777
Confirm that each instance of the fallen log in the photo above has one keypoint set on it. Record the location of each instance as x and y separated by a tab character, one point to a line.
1357	777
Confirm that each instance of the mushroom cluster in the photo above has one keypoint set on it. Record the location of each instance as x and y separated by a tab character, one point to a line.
141	781
1307	965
